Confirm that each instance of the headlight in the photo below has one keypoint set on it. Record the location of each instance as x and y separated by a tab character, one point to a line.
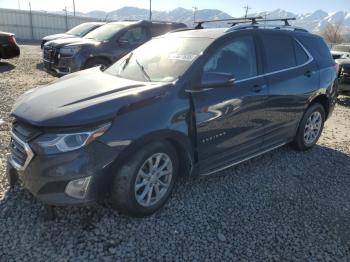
56	143
70	51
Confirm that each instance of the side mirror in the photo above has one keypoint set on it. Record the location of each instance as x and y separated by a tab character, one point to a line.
216	80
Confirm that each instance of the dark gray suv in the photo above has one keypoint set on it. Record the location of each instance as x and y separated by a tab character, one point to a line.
192	102
101	47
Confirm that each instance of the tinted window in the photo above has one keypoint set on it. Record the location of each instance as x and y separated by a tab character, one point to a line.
279	51
300	55
134	36
237	58
318	49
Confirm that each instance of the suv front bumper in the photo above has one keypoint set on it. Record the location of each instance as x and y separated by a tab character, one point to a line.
47	176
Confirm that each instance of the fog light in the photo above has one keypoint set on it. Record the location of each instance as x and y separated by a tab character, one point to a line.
78	188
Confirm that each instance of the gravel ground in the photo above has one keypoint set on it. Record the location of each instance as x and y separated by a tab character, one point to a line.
285	205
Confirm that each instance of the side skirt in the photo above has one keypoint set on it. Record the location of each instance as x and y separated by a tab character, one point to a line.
243	160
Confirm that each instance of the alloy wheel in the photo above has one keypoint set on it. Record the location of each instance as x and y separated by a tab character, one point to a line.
153	179
312	128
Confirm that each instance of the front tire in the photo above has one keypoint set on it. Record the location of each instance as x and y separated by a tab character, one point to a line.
310	128
144	183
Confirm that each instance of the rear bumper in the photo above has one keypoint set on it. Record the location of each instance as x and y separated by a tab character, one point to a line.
10	51
47	177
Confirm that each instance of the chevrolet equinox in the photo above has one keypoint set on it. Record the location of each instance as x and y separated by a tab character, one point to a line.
195	101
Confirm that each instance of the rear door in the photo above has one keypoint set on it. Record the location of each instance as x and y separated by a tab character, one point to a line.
292	77
230	119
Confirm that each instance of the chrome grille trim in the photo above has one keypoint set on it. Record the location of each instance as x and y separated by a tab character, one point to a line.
28	150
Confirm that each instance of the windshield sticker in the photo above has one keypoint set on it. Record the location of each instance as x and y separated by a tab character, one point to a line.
182	57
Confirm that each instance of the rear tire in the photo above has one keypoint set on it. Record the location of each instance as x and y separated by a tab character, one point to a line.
141	186
103	63
310	128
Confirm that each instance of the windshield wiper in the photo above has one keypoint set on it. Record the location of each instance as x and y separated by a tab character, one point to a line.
143	70
127	60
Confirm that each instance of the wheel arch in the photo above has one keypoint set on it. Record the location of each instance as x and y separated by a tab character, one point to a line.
178	140
323	100
96	57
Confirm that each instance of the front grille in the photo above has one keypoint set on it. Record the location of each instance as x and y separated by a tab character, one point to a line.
21	153
50	54
18	152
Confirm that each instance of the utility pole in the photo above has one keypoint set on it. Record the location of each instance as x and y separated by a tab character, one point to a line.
31	21
195	9
74	7
65	9
150	10
265	16
19	4
247	8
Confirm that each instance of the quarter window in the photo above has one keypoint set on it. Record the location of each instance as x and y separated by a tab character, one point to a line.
237	58
300	55
279	51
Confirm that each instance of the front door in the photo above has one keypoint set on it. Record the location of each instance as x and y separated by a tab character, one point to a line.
230	119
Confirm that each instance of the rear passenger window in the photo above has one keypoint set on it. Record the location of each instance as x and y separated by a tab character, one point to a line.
237	58
279	50
300	55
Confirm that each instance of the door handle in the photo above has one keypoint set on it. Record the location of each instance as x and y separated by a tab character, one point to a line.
309	73
258	88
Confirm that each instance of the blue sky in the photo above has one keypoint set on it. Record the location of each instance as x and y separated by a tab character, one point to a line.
233	7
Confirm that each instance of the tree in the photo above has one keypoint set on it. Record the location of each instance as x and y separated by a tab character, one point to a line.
333	33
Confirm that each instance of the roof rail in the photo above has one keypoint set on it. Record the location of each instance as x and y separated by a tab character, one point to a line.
261	24
252	20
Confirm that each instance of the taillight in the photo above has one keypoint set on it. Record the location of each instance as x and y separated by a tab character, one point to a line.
12	39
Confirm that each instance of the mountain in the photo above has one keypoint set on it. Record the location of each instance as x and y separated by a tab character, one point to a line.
314	22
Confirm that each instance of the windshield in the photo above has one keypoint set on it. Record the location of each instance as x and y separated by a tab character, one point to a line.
341	48
81	30
104	32
162	59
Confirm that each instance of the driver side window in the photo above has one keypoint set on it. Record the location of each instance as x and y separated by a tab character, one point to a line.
134	36
237	57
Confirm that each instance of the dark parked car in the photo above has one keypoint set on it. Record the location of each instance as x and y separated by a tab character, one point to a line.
78	31
101	47
186	103
341	55
8	46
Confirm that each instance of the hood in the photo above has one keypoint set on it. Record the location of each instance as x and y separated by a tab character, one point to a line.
71	42
343	61
58	36
83	98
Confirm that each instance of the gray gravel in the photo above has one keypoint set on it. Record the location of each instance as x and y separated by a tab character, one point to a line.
284	205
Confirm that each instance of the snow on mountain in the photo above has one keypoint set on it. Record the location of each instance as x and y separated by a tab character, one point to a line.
314	22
